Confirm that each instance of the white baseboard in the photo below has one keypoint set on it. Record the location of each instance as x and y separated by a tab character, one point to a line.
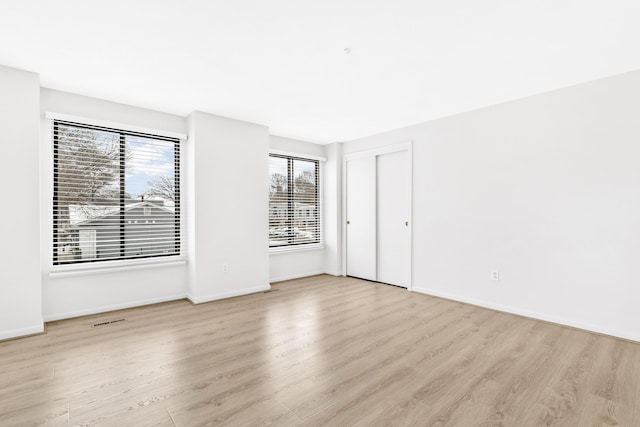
294	276
230	294
106	308
532	314
21	332
334	273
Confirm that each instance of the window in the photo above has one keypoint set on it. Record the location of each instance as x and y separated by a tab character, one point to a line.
294	201
116	194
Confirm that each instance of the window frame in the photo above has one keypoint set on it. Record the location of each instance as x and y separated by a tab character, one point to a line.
72	267
291	245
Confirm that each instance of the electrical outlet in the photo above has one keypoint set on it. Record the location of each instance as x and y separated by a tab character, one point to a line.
225	268
495	275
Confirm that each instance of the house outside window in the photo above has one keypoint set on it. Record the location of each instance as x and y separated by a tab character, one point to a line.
115	194
294	201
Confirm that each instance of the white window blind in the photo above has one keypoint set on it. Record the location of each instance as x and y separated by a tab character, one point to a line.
116	194
294	201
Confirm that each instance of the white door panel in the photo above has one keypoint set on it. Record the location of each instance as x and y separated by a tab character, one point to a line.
361	218
393	201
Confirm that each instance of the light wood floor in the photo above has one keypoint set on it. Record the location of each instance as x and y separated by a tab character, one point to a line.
319	351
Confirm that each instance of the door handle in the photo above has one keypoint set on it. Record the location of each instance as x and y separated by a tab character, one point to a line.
406	223
348	222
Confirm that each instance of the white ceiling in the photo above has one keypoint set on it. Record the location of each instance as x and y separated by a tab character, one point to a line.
282	63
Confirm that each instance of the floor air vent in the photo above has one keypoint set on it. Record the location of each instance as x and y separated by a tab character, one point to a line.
270	290
108	322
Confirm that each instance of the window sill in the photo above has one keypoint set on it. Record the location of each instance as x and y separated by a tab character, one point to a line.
300	248
114	266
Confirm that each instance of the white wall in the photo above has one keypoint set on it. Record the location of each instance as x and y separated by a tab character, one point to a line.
291	265
20	292
97	292
295	146
227	207
295	264
333	209
546	190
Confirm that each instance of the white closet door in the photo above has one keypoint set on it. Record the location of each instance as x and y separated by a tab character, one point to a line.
361	218
393	202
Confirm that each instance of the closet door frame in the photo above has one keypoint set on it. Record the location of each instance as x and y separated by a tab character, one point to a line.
405	146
